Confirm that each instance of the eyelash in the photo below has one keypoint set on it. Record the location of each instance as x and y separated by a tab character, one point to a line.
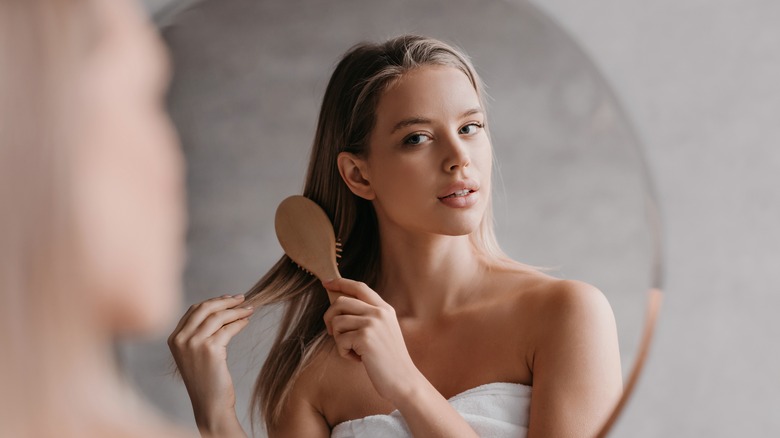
406	140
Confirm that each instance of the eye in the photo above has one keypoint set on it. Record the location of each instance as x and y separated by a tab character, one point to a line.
471	128
416	139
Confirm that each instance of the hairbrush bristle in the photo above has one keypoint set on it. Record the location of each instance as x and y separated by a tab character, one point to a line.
301	267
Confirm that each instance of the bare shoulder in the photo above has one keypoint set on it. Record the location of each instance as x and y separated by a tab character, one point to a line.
550	301
309	384
333	389
553	312
572	352
301	413
575	301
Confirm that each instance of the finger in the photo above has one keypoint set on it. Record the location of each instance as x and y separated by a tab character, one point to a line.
205	309
217	320
226	333
342	324
347	305
345	346
355	289
194	307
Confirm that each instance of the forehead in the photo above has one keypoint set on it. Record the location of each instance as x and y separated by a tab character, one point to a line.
430	91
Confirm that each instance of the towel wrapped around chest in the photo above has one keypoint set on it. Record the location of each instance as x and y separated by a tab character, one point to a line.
493	410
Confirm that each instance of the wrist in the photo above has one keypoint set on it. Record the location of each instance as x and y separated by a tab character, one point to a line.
414	390
428	413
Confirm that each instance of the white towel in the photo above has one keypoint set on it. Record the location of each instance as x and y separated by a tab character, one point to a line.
493	410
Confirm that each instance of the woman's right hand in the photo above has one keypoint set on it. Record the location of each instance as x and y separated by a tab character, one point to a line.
199	347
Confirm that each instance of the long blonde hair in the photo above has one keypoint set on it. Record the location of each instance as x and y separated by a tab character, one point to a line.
42	47
346	119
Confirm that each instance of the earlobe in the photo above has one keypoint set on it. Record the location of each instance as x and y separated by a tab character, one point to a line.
353	172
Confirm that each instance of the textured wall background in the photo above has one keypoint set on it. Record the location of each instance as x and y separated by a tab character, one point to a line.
699	80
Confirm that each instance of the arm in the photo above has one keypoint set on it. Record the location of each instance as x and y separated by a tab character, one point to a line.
429	414
300	418
576	363
365	329
199	346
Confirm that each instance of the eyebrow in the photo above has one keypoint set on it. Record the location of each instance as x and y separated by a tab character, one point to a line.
418	120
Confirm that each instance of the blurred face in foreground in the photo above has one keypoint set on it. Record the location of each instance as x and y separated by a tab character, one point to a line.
129	175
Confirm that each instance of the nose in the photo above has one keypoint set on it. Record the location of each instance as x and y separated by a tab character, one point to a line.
457	154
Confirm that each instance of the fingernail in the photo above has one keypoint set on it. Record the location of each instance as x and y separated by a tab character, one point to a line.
225	296
248	307
238	296
328	281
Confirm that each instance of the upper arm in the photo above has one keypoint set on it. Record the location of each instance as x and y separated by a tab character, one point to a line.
576	363
300	417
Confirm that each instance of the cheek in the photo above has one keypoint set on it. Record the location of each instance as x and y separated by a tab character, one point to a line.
404	179
482	154
486	167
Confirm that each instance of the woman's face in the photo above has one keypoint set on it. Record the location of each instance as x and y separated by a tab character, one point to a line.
430	158
129	175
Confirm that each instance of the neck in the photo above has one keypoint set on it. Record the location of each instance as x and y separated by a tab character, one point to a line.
426	275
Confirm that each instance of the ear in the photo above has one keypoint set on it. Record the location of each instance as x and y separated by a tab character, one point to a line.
353	171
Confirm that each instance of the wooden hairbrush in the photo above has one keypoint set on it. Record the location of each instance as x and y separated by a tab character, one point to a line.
307	237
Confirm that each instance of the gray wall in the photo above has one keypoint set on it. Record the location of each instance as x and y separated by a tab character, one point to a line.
699	82
700	79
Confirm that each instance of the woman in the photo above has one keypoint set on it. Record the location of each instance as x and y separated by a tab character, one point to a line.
401	163
91	224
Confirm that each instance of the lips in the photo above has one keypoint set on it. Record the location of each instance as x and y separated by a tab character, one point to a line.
458	194
459	189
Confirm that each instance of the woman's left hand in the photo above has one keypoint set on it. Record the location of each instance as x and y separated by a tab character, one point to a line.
366	329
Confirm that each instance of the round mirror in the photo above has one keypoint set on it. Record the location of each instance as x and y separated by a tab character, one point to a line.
571	192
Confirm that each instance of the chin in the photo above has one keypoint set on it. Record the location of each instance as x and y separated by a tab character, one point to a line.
460	228
147	315
151	304
462	224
